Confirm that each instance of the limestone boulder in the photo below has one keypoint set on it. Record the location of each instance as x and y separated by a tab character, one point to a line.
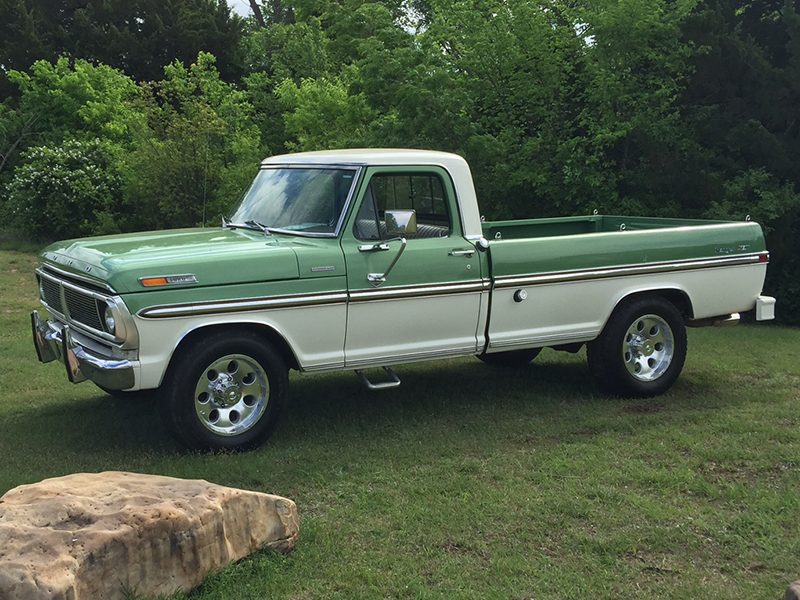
94	536
793	593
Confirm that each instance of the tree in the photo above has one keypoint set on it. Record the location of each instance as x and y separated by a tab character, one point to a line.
518	64
138	37
80	99
66	190
631	129
58	102
323	114
197	153
743	107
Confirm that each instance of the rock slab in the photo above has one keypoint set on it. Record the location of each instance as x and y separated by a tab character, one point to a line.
102	535
793	592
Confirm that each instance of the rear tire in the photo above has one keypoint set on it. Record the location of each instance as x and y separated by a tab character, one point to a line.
642	349
510	359
225	391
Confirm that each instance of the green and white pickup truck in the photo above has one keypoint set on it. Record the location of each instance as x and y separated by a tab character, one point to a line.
360	259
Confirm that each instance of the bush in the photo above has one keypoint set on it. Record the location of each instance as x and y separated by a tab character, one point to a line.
65	191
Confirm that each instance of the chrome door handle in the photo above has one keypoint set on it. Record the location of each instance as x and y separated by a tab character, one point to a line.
468	253
373	247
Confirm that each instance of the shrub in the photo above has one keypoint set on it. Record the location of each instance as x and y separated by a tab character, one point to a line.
65	191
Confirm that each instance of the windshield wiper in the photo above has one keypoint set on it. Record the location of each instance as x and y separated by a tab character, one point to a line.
261	226
226	222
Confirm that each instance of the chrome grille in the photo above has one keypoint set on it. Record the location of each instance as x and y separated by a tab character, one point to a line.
74	280
51	294
84	309
74	303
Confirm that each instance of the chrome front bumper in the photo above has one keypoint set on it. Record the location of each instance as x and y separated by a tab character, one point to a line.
54	344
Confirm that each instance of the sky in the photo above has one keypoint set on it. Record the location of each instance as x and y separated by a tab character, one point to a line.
240	7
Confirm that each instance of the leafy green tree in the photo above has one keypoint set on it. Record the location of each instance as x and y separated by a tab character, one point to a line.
407	80
67	190
323	114
279	52
518	64
23	40
61	101
75	100
742	108
197	153
138	37
178	152
362	78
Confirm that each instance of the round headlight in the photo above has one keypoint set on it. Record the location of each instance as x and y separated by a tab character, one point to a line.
111	325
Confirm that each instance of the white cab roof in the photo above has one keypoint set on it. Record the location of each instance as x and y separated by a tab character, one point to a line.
368	156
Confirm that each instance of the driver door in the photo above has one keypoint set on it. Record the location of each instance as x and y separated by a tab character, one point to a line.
428	304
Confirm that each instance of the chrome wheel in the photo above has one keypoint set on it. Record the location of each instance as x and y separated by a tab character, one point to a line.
648	347
231	395
642	348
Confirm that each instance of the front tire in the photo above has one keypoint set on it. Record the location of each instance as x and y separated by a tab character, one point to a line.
225	391
642	349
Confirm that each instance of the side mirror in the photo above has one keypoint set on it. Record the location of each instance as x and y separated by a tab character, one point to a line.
400	222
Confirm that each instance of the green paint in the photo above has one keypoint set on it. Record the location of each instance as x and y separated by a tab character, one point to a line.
232	264
558	245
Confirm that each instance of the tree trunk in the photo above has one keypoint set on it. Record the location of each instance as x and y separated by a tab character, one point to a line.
257	13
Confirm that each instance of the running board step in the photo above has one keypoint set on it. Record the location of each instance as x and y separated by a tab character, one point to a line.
384	385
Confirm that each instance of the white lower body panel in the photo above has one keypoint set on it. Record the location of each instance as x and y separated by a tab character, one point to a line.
576	311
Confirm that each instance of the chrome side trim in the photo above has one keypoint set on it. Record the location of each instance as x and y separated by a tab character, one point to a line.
411	357
323	367
545	340
242	305
626	271
309	300
418	291
440	289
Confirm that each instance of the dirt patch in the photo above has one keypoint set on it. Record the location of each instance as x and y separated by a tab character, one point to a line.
453	548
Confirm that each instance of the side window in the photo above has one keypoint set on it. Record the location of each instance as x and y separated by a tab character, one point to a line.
422	192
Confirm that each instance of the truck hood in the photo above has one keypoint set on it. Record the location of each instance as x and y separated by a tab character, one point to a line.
214	256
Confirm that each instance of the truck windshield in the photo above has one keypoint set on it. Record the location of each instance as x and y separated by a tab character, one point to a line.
304	201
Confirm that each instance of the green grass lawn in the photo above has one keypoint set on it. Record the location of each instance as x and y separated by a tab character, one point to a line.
471	482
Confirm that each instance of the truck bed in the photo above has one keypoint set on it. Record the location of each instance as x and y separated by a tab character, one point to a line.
598	241
558	226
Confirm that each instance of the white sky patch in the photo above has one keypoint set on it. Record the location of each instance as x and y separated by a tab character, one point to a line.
240	7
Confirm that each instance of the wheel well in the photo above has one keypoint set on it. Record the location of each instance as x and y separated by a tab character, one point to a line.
267	333
677	298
